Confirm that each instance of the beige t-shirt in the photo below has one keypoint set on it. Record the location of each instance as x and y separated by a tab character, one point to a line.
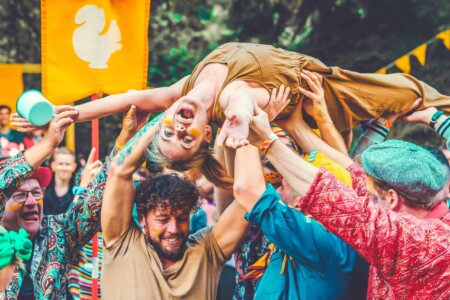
132	269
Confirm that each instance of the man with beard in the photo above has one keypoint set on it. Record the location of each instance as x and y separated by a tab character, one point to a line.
162	261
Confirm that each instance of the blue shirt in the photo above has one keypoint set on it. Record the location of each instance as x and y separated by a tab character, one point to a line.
321	266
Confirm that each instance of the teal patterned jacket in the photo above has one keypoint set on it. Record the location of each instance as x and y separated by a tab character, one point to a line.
60	237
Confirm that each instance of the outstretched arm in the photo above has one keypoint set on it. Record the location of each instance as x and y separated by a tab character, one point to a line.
378	130
224	197
82	220
15	169
119	190
150	100
320	112
332	144
232	228
378	234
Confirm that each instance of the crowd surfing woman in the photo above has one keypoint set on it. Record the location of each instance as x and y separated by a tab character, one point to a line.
14	248
231	81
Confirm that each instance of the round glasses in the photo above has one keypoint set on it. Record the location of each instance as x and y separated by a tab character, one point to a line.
22	196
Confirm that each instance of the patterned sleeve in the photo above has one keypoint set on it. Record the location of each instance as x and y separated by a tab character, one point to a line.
359	179
82	221
12	172
393	243
444	130
375	133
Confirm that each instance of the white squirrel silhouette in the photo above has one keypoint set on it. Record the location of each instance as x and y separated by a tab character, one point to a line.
87	42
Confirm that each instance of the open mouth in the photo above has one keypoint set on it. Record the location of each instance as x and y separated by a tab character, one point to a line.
185	114
30	216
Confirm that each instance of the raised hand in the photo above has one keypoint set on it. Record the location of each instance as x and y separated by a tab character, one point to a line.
279	99
58	125
130	157
25	126
315	105
91	169
260	128
132	122
234	131
419	116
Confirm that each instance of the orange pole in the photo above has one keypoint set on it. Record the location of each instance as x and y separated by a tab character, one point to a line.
95	144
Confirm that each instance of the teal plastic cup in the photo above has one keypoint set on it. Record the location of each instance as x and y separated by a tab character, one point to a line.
34	107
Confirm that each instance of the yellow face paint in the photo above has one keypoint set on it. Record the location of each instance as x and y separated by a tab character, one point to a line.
15	206
184	226
167	122
19	205
68	168
194	132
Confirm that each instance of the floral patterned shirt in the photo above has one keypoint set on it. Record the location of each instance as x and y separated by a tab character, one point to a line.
254	246
60	237
409	257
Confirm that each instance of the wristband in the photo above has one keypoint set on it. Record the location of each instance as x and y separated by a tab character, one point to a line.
78	190
268	142
118	145
384	122
435	117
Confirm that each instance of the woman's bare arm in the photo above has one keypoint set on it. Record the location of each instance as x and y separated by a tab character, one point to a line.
152	100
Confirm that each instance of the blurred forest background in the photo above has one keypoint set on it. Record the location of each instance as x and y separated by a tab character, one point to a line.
361	35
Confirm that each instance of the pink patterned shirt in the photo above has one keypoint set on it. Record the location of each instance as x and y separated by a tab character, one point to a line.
409	257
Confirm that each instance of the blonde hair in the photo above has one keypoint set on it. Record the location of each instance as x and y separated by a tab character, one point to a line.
203	160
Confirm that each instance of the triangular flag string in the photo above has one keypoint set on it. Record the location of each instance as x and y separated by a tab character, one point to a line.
420	53
445	37
404	64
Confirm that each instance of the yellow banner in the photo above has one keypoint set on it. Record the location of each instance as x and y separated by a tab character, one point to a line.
11	84
92	46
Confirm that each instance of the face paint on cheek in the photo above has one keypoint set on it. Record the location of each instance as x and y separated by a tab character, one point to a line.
156	231
68	168
15	206
184	227
40	202
167	122
194	132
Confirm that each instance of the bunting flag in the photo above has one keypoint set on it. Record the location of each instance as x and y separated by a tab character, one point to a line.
98	46
11	84
445	37
404	63
421	53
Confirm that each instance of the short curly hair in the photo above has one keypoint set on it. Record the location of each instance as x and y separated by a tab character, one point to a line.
170	192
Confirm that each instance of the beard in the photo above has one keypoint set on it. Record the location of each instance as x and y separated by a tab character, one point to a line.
172	254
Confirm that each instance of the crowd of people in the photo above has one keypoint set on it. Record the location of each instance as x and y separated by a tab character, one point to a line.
248	185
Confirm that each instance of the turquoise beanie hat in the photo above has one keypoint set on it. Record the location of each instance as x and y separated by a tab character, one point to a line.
409	169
